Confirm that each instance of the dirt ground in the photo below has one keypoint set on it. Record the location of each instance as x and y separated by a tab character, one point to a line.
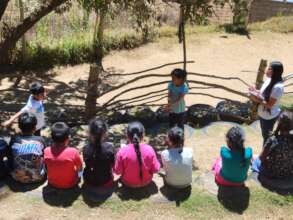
217	54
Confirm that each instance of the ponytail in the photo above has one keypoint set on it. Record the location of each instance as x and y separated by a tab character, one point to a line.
235	138
97	129
135	133
135	142
176	137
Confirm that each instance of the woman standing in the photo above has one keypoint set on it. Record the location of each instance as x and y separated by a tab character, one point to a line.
269	97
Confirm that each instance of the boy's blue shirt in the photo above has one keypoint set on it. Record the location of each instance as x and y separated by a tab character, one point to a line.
176	92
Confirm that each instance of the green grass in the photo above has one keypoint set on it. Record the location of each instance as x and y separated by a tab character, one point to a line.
170	31
200	205
287	102
76	46
279	24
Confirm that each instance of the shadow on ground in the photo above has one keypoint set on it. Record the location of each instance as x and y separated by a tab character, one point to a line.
126	193
235	199
60	198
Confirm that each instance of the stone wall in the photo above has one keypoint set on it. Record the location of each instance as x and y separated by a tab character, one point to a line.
264	9
260	10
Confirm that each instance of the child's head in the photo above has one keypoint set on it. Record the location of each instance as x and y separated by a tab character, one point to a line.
27	123
38	91
178	76
235	141
135	132
60	133
97	132
285	124
175	137
235	138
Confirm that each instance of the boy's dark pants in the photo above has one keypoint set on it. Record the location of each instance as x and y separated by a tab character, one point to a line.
177	119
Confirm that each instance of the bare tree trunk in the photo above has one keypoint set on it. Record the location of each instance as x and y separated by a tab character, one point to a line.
3	6
23	40
95	70
17	32
258	84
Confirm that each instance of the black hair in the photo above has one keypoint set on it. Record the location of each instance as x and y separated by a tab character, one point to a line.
176	136
27	122
235	138
60	132
277	71
37	88
285	124
135	132
179	73
97	128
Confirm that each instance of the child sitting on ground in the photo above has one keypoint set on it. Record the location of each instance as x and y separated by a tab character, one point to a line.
99	156
276	159
63	162
4	171
177	160
26	152
136	162
34	105
232	167
176	104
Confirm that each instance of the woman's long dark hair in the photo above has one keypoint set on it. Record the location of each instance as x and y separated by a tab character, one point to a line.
135	132
97	129
235	138
277	69
176	136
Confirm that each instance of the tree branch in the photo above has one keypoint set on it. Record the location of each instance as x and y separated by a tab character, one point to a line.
3	6
147	70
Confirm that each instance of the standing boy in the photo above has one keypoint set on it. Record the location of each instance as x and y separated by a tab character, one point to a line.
176	104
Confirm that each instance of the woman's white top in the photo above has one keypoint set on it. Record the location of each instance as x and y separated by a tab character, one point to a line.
277	93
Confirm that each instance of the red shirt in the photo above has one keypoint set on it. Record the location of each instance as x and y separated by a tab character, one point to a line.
63	165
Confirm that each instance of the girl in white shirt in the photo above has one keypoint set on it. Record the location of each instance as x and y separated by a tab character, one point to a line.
177	160
269	97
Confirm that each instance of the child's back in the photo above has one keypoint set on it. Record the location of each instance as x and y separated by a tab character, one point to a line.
177	164
234	168
98	164
127	165
3	154
63	164
26	152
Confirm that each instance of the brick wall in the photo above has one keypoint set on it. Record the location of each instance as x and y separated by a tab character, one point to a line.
264	9
260	10
222	15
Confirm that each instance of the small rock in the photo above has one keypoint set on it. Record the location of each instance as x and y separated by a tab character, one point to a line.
117	134
143	114
201	115
234	111
162	116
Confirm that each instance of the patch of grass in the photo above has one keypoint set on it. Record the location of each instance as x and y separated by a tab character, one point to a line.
171	31
202	204
279	24
287	102
74	49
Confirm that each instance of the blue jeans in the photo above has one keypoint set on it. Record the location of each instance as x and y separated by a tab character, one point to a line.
267	127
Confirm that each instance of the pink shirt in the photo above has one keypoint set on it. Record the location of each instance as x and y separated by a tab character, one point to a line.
127	165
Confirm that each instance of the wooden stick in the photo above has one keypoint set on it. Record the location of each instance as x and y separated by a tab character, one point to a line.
147	70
